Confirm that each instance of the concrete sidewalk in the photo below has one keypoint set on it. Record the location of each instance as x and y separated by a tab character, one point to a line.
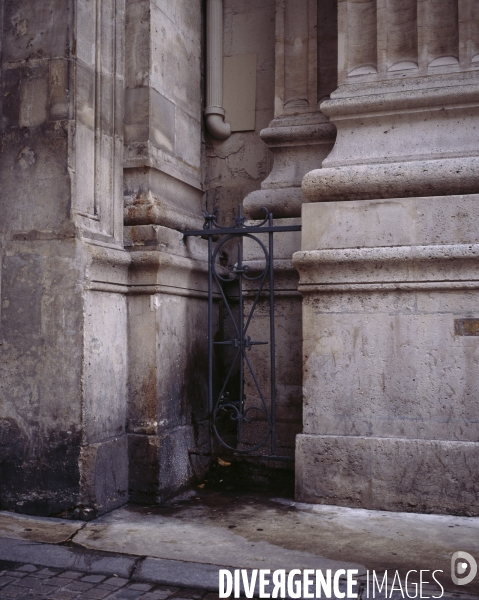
186	542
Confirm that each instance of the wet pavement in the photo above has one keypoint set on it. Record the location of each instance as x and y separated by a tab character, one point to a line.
176	550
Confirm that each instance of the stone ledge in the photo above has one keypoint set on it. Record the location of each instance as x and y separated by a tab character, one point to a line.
408	179
382	100
444	264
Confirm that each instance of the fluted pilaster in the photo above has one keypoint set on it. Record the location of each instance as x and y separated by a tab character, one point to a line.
408	74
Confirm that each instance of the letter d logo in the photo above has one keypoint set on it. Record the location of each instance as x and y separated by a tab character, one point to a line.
461	568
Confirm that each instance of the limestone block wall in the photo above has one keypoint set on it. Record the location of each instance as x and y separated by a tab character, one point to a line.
63	269
164	166
163	113
167	417
389	378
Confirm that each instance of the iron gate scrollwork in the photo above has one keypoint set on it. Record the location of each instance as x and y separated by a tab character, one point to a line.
228	410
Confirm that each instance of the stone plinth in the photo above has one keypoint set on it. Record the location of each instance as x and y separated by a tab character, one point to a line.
390	383
168	361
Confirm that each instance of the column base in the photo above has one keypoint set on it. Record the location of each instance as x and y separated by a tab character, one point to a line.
428	476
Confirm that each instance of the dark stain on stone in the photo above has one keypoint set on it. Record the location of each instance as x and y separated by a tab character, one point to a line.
41	482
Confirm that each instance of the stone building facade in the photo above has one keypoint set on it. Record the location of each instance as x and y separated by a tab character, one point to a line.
358	119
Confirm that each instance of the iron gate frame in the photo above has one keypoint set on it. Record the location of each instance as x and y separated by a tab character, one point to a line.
212	229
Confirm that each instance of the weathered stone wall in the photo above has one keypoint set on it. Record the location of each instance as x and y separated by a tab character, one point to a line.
63	449
163	113
163	193
237	166
167	411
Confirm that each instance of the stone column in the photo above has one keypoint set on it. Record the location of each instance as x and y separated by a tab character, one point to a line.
300	136
389	264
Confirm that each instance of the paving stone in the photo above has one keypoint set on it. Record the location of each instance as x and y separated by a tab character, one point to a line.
167	590
211	596
104	586
28	581
56	581
127	594
190	593
142	587
94	578
155	595
44	573
70	575
116	581
12	591
63	595
79	586
96	593
5	580
27	568
48	572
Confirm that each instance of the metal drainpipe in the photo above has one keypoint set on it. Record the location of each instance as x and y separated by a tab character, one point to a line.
214	111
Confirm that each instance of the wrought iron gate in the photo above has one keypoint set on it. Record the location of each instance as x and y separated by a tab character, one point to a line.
229	412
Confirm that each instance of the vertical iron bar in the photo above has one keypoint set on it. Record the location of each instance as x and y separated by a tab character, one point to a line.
272	338
210	335
241	326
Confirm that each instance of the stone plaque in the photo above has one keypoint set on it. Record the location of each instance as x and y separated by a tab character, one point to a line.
466	327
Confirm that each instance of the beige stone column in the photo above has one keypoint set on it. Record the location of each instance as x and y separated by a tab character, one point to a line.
388	267
299	136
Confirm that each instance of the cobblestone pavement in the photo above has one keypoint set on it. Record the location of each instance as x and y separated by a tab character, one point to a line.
21	581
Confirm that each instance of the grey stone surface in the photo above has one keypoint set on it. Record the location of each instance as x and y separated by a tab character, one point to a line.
390	543
381	351
389	266
369	472
175	572
163	114
61	557
194	539
60	188
15	526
